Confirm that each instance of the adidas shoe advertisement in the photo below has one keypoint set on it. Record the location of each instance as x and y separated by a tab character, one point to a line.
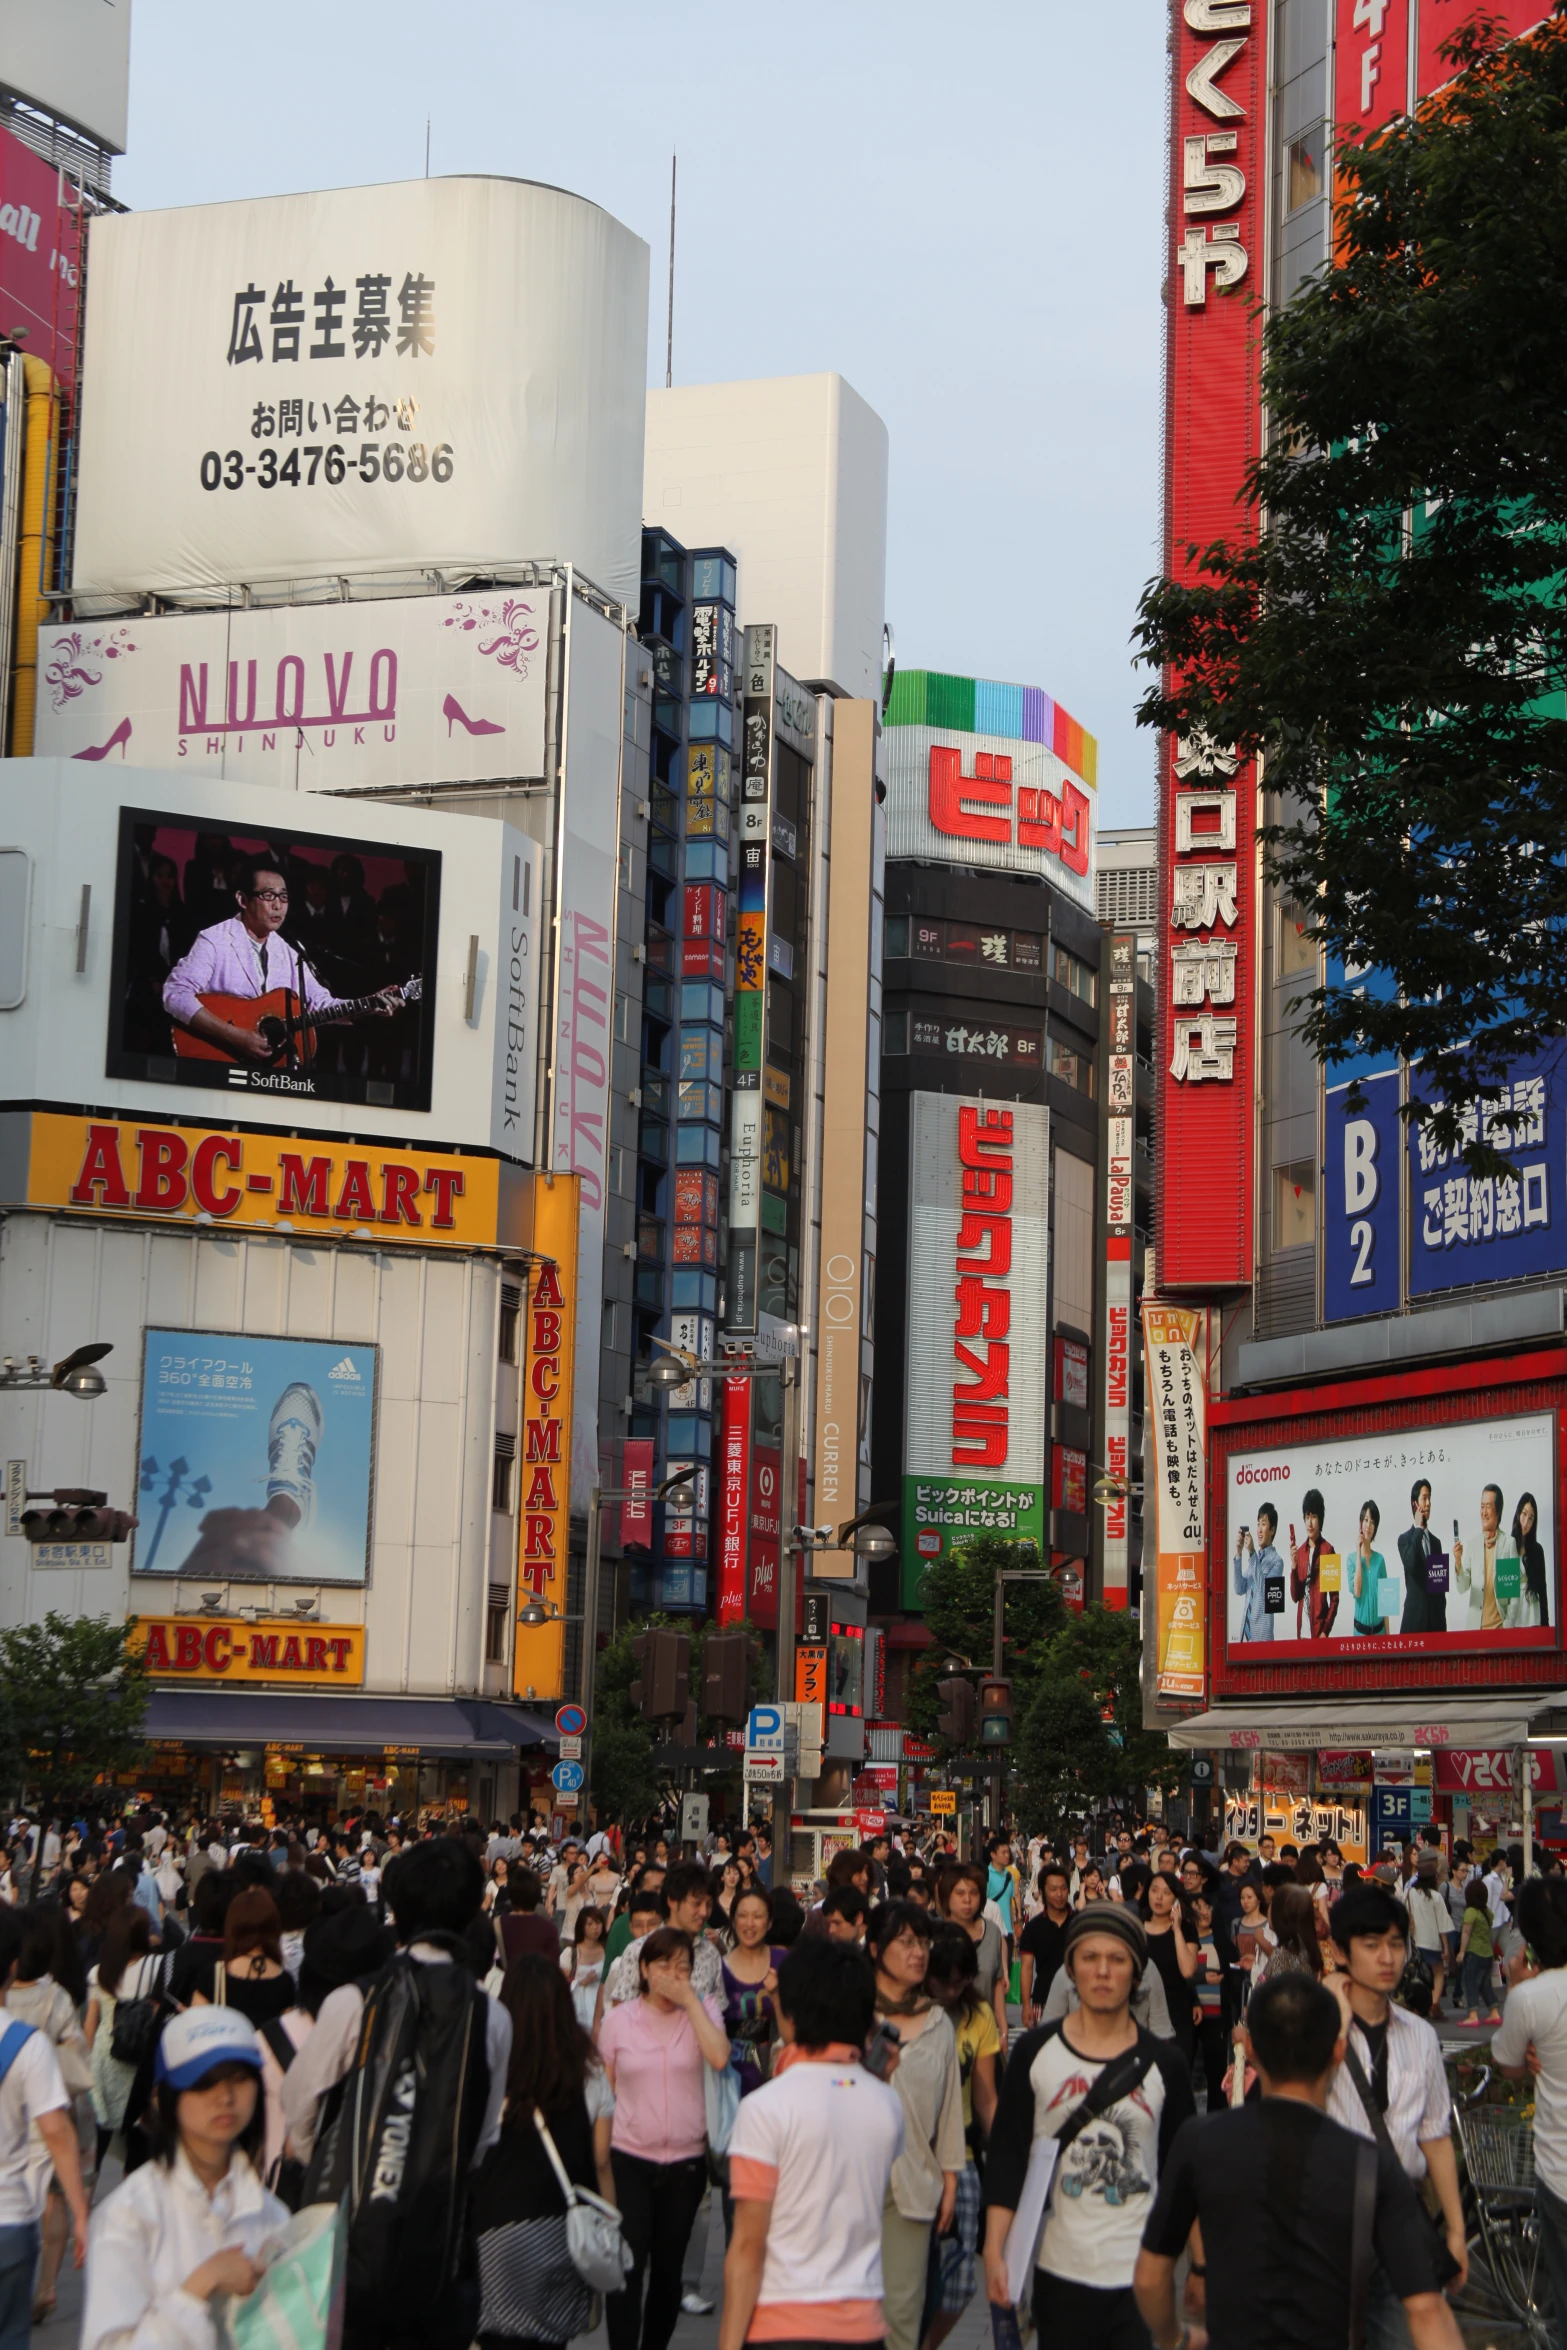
256	1458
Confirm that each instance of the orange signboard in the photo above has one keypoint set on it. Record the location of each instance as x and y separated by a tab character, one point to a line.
810	1676
130	1166
544	1512
233	1648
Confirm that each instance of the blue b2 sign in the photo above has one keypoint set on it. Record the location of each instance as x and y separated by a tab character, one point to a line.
1360	1267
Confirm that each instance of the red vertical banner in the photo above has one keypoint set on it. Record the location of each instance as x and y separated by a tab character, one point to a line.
766	1477
1208	797
1371	64
734	1499
1440	19
636	1476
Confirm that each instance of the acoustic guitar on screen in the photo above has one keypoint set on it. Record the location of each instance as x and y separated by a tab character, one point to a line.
287	1029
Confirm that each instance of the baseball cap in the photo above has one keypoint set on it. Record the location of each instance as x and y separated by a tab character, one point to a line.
196	2042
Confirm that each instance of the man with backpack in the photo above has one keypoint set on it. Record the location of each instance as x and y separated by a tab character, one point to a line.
1112	2096
393	2100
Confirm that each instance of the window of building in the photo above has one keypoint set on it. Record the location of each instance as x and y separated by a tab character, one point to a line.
895	1035
1071	972
495	1619
1071	1062
1297	948
1295	1205
511	1320
1303	181
501	1476
897	934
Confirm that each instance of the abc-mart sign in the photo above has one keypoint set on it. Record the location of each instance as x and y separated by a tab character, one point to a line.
990	800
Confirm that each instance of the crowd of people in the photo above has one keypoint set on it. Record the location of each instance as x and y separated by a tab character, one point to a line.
1153	2093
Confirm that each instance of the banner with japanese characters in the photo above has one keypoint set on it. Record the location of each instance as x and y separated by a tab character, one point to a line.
1380	1545
976	1392
436	374
1468	1228
1176	1389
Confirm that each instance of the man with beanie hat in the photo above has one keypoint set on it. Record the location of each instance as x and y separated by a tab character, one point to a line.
1150	2008
1113	2096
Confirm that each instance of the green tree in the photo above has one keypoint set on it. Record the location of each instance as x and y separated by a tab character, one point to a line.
1387	624
626	1783
959	1604
1062	1755
73	1697
1102	1648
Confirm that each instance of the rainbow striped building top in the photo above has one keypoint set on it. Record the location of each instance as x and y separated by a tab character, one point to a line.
981	705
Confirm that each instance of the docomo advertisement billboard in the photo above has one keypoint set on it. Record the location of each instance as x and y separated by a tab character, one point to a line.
1395	1534
120	912
1207	818
1438	1542
1177	1403
446	373
992	800
315	697
978	1356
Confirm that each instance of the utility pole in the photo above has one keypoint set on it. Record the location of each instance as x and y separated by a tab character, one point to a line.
789	1549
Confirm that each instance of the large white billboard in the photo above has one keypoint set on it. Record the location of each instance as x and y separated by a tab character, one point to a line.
443	373
313	697
72	58
975	1386
1437	1540
992	800
208	951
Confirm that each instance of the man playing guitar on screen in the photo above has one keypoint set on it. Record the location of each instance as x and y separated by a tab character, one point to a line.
246	958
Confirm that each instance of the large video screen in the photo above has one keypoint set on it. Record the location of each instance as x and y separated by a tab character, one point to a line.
1414	1542
257	1458
284	962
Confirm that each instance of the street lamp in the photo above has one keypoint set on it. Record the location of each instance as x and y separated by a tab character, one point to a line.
75	1374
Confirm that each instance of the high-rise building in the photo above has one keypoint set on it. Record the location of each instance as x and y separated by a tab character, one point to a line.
1354	1362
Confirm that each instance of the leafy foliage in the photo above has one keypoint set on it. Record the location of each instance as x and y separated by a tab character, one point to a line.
626	1786
1386	625
73	1696
959	1605
1060	1755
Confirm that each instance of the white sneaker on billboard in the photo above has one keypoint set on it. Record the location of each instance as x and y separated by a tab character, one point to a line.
292	1441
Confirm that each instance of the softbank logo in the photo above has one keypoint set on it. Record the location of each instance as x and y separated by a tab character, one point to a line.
980	807
344	1370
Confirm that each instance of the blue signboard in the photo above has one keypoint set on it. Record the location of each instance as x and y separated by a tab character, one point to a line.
1468	1228
567	1777
1360	1203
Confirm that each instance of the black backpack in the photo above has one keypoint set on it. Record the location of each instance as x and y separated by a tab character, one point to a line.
399	2147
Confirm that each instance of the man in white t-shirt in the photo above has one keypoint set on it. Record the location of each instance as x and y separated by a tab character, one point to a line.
1533	2039
810	2161
31	2090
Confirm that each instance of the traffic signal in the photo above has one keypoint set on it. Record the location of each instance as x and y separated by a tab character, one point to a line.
726	1676
995	1713
662	1690
78	1515
956	1718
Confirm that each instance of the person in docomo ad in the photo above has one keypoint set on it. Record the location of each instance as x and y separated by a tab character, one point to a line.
1425	1610
246	957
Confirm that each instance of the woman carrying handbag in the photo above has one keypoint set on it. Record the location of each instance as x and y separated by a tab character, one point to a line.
543	2199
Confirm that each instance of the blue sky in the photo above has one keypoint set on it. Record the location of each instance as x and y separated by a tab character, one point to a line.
961	211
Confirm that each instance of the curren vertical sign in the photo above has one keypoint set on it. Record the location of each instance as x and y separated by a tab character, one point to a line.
544	1505
1207	819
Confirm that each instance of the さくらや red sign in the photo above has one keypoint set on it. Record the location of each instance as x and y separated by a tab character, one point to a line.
1207	817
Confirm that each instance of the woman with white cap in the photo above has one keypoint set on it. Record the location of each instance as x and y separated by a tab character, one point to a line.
194	2221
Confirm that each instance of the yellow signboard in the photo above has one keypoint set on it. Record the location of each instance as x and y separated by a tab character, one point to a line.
232	1648
943	1801
250	1182
544	1513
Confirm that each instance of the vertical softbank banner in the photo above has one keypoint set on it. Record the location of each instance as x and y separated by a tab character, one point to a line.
585	984
1213	430
978	1352
1177	1405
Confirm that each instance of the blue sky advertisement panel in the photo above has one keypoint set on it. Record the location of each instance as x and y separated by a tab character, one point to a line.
256	1459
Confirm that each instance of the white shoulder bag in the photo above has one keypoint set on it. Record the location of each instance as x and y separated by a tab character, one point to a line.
598	2249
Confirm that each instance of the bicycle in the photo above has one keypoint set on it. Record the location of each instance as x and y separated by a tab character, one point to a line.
1507	2279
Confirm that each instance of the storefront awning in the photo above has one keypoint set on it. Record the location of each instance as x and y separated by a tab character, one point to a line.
1378	1722
345	1725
